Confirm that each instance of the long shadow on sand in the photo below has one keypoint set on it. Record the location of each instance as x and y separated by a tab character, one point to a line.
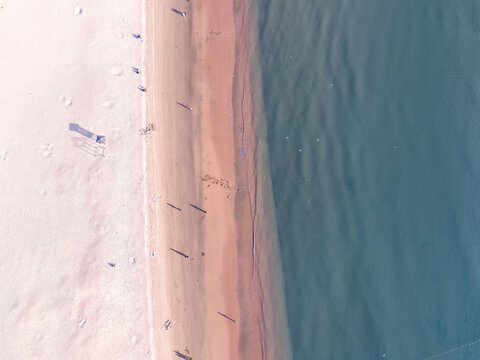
182	356
90	143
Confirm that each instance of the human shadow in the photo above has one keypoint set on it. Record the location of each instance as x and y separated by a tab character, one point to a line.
182	13
179	253
182	356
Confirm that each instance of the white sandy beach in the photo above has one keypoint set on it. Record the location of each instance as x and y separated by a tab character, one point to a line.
64	212
86	230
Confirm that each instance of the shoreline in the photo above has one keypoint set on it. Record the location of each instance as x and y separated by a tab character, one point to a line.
205	53
264	287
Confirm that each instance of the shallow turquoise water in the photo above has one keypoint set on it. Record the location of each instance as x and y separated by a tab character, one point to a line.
373	118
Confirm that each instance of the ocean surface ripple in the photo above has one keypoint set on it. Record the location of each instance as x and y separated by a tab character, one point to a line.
373	118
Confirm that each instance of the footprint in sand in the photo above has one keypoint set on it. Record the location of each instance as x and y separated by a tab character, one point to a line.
47	150
107	104
104	230
66	100
78	11
116	70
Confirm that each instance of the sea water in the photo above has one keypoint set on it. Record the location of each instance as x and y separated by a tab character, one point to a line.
373	127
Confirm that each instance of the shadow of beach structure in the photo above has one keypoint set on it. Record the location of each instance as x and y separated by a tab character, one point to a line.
90	143
89	146
182	356
88	134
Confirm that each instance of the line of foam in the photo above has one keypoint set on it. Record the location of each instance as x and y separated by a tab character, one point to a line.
146	212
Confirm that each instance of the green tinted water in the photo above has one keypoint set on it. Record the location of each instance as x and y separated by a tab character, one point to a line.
373	118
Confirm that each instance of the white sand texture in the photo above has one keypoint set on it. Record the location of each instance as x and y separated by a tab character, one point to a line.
69	205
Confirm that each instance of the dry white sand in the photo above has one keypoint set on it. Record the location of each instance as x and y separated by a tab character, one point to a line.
64	212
